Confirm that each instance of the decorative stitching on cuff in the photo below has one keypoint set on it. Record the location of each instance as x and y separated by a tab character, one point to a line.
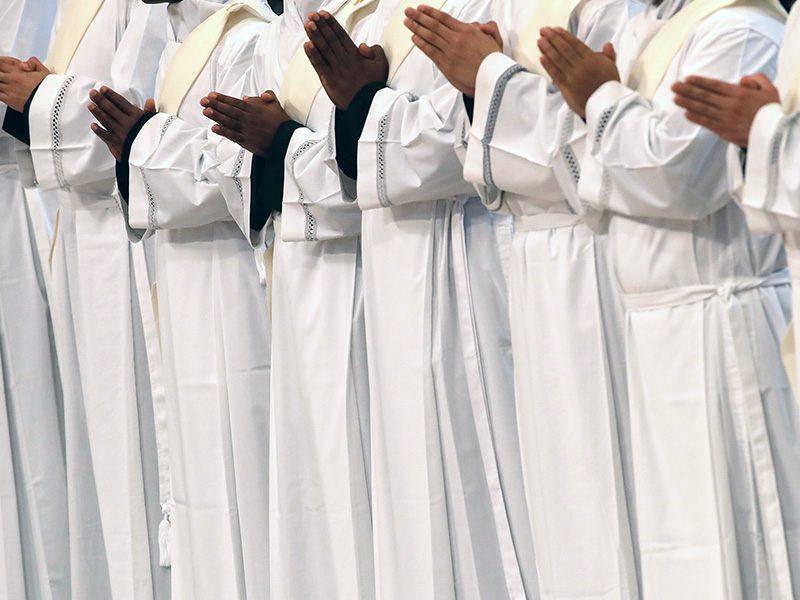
311	222
383	132
331	130
602	124
773	159
491	120
573	165
151	201
55	131
167	123
237	169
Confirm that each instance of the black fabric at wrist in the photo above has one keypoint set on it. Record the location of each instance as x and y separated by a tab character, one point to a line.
469	104
17	124
348	126
123	174
266	177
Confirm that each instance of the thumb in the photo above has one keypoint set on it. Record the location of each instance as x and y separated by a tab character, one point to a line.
150	105
366	51
609	51
33	64
377	53
269	96
756	82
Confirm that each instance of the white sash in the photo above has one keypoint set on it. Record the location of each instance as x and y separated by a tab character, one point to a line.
301	83
191	58
78	15
546	13
653	64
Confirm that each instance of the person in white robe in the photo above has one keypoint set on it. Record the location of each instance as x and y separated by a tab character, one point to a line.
759	119
449	513
320	518
33	512
522	147
213	316
97	298
714	423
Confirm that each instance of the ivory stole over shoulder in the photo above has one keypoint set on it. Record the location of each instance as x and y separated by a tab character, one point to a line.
650	69
301	83
791	104
193	54
78	15
546	13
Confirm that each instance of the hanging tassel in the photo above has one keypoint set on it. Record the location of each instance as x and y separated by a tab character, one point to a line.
164	554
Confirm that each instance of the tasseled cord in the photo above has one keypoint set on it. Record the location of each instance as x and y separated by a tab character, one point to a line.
164	554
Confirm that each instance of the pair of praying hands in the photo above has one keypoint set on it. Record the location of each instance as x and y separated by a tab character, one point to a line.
18	80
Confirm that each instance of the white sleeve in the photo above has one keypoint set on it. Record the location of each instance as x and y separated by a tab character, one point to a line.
406	152
65	152
645	159
315	205
174	165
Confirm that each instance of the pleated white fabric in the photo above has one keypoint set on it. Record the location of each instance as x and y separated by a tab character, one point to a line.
714	424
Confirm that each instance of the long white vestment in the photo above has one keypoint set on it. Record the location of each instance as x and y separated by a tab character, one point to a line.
770	190
112	474
320	520
33	510
214	328
448	509
714	424
566	320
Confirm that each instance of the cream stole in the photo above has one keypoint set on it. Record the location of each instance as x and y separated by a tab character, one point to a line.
193	54
78	15
650	69
546	13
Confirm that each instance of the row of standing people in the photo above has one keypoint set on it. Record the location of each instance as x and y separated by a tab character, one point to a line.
301	365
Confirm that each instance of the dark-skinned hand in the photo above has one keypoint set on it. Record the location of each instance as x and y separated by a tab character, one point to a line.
457	48
250	122
17	83
116	116
576	70
343	67
726	109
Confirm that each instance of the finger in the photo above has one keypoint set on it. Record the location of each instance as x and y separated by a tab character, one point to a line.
342	37
567	45
555	57
105	119
34	64
714	86
428	49
232	135
757	82
703	121
491	28
367	51
610	52
150	105
697	94
223	119
112	141
226	105
316	59
105	105
269	96
424	20
119	101
557	75
430	36
325	53
442	17
697	107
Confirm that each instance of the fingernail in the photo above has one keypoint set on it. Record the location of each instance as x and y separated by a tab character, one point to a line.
204	101
312	26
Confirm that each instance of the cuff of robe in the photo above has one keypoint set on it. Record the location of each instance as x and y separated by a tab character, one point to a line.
267	177
604	97
348	127
122	167
17	124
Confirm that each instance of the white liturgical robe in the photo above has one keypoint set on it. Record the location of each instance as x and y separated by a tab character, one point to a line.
33	510
213	318
320	520
714	424
104	355
449	514
523	145
771	192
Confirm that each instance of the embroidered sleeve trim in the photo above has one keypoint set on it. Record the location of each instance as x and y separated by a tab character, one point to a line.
491	120
383	132
55	131
311	222
773	160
